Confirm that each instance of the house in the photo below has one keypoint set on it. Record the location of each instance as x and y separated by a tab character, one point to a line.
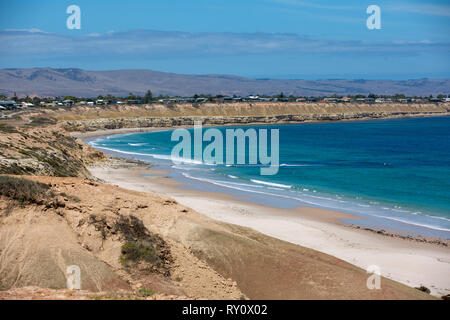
300	100
100	102
47	104
252	98
27	105
90	103
9	104
345	99
134	101
68	102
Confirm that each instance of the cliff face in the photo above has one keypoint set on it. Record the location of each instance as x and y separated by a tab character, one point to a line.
95	226
44	151
116	117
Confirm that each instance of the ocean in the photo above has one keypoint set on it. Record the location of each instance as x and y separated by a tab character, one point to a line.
394	173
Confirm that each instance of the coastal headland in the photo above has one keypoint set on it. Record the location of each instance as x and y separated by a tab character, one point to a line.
89	209
158	115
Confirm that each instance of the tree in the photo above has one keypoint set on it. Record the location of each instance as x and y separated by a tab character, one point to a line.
148	97
110	97
131	96
36	101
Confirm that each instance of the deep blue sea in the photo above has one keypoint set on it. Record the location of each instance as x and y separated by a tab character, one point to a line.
393	173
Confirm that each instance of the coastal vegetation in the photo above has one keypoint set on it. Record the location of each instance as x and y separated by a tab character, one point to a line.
23	190
39	147
133	251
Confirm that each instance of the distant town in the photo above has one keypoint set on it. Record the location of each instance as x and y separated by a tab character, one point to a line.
11	103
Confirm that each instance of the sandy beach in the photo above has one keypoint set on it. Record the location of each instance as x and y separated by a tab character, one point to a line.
411	262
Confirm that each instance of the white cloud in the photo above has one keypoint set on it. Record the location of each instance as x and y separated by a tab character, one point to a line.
32	30
156	44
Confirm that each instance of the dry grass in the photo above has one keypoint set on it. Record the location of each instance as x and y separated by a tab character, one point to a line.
23	190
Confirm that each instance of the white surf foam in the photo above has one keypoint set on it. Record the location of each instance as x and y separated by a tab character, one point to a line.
277	185
138	144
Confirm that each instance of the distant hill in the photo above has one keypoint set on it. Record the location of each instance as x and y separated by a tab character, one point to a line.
76	82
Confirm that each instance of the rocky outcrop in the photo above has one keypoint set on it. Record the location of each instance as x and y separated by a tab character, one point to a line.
44	151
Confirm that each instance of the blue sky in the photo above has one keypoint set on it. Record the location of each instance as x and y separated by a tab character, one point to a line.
256	38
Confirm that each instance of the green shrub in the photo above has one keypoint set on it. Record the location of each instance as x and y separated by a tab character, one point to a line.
140	246
144	292
423	289
24	190
136	251
133	229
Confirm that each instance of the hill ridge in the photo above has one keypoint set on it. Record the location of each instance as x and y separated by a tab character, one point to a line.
79	82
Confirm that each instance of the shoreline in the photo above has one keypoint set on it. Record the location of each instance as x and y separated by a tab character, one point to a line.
314	228
381	227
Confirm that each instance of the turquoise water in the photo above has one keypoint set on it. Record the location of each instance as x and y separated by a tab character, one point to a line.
394	173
